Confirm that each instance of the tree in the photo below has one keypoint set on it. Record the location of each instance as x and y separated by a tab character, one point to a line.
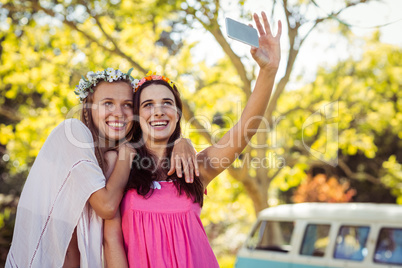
47	45
364	95
103	31
256	180
38	74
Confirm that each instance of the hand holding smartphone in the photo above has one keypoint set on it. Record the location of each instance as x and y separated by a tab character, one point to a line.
241	32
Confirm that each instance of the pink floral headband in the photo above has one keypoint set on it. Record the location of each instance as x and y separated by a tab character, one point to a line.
152	76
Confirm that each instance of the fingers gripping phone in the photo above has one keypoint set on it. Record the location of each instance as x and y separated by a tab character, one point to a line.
241	32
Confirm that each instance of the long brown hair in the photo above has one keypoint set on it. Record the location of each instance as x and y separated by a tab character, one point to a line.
141	175
86	118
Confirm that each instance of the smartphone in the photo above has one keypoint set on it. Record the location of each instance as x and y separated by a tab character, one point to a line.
241	32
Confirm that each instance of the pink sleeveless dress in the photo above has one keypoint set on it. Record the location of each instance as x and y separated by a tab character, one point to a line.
164	230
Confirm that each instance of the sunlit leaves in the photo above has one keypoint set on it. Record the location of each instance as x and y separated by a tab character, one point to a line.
227	215
367	94
393	176
6	133
44	56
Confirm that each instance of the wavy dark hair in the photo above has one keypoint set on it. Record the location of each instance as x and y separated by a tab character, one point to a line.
144	169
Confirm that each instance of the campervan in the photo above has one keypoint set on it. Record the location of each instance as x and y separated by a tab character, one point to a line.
325	235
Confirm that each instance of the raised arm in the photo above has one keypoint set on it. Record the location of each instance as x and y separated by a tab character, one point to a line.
216	158
106	201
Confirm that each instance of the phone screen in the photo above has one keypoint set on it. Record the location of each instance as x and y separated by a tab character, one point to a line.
242	32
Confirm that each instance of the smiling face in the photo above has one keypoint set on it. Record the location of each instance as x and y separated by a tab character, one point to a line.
112	110
158	114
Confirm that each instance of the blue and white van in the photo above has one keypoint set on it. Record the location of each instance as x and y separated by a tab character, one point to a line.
323	235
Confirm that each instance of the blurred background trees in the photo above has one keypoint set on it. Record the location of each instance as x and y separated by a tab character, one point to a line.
342	132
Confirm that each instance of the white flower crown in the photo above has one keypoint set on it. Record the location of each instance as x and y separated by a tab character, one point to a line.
110	75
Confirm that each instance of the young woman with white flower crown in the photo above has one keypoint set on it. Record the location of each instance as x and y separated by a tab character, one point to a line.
66	195
160	222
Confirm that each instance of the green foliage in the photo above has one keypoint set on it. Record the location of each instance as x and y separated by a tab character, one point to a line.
45	47
365	97
227	216
392	176
7	215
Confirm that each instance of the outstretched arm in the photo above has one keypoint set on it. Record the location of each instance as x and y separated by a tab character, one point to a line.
219	156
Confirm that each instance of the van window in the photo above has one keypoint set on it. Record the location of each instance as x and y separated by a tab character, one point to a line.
351	243
389	246
315	240
272	235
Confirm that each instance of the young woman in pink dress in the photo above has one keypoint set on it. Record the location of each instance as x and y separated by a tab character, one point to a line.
71	188
160	222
